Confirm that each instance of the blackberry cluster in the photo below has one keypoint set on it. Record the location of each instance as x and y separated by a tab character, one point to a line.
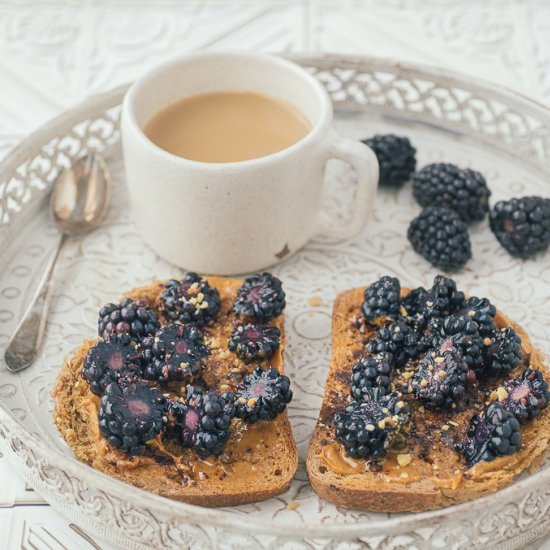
110	361
482	311
174	353
447	186
396	158
371	372
441	237
502	353
191	300
522	225
262	395
202	422
260	298
131	317
440	379
527	395
382	301
130	415
398	339
254	342
495	433
371	427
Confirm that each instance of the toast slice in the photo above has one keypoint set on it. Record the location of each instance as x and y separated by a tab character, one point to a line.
258	462
411	479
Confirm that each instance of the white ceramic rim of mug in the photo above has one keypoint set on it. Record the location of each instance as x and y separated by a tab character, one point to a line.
322	123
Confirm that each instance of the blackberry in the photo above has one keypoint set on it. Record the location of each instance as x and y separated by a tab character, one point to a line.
202	422
371	372
382	301
440	379
110	361
527	395
443	298
130	415
482	311
396	158
262	395
398	339
495	433
445	185
174	353
371	427
522	226
414	301
502	353
261	298
135	318
254	342
441	237
191	300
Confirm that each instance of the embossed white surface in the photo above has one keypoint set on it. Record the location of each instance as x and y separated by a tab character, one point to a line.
54	54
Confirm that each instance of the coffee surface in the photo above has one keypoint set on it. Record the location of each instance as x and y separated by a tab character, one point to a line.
226	127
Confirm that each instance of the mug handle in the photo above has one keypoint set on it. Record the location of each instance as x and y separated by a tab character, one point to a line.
365	163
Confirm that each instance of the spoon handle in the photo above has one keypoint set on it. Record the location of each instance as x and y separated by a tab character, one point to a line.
25	343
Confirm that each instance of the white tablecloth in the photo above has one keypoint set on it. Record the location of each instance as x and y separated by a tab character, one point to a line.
54	54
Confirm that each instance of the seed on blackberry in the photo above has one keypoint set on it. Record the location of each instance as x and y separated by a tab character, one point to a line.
262	395
495	433
445	185
440	379
527	395
130	415
522	225
502	353
254	342
371	427
482	311
260	298
135	318
202	421
174	353
191	300
110	361
441	237
371	372
382	301
396	158
399	340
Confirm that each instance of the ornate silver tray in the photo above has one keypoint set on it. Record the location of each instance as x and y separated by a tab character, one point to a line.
447	117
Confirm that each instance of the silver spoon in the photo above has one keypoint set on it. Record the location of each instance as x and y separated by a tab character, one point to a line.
78	203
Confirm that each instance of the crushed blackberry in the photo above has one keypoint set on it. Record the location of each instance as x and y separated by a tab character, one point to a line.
371	372
522	225
371	427
130	415
174	353
445	185
382	301
191	300
202	422
261	298
398	339
502	352
441	237
495	433
440	379
482	311
254	342
262	395
396	158
527	395
135	318
110	361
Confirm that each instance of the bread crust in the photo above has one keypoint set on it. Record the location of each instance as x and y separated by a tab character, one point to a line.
382	492
259	460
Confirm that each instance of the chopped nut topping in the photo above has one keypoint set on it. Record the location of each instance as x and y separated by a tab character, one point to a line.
502	394
404	459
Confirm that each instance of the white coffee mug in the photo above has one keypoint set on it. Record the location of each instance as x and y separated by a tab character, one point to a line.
237	217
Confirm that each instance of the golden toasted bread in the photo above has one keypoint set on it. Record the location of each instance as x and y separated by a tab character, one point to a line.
258	462
427	473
